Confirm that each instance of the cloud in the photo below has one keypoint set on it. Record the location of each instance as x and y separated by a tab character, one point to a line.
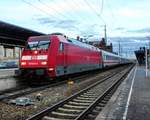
130	12
128	44
66	24
46	20
92	29
143	30
62	24
120	28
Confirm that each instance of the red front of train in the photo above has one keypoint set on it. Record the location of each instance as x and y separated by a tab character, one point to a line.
55	55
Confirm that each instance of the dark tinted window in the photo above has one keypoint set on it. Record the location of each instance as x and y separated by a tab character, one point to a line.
38	45
43	45
32	45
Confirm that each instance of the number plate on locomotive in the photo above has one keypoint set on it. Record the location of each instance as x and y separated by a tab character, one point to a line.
34	57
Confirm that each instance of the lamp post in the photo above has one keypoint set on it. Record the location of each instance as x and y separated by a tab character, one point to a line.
105	33
146	61
148	51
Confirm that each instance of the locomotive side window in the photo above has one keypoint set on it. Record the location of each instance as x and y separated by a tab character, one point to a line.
61	47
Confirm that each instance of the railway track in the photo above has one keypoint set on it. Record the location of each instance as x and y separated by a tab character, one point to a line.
6	95
86	103
17	92
21	91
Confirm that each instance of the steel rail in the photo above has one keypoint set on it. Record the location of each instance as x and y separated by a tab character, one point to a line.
49	110
108	92
17	92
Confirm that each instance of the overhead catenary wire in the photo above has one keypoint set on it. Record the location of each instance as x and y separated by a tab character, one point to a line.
113	18
87	21
102	6
76	5
61	16
68	13
98	14
75	16
37	8
55	10
94	11
112	13
45	12
52	17
90	18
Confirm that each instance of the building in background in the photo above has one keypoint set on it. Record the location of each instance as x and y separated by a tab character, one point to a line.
102	45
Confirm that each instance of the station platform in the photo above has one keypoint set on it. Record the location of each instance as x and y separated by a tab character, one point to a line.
7	72
131	101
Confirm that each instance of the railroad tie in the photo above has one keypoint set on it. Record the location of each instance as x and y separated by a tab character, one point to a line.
79	103
51	118
70	110
74	106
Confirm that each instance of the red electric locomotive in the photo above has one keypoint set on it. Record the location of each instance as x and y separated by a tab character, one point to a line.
55	55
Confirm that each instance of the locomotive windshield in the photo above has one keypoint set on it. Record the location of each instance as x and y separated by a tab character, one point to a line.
38	45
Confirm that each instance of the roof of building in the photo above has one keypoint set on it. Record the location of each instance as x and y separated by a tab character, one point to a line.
12	35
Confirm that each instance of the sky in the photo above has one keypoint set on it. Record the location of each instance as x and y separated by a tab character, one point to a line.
127	21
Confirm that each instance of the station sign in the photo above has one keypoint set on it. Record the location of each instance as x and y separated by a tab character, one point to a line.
147	55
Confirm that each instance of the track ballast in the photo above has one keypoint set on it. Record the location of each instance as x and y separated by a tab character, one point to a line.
84	104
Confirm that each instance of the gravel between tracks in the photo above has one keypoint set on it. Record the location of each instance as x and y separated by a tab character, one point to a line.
50	96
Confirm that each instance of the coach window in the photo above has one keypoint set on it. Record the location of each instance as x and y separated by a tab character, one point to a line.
61	47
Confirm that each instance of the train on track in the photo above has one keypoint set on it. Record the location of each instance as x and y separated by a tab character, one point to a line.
56	55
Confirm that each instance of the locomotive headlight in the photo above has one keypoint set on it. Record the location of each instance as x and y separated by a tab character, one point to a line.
23	63
35	52
51	69
44	63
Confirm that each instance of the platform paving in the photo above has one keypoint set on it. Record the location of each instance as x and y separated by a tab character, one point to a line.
7	72
131	101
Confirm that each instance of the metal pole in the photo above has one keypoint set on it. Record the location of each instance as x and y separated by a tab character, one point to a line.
105	34
146	61
148	57
148	51
119	49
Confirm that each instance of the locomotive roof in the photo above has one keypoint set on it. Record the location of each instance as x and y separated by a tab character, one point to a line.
81	44
65	39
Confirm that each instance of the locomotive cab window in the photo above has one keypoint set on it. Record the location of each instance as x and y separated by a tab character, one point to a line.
32	45
38	45
61	47
43	45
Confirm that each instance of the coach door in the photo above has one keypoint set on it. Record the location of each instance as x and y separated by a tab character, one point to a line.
100	60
